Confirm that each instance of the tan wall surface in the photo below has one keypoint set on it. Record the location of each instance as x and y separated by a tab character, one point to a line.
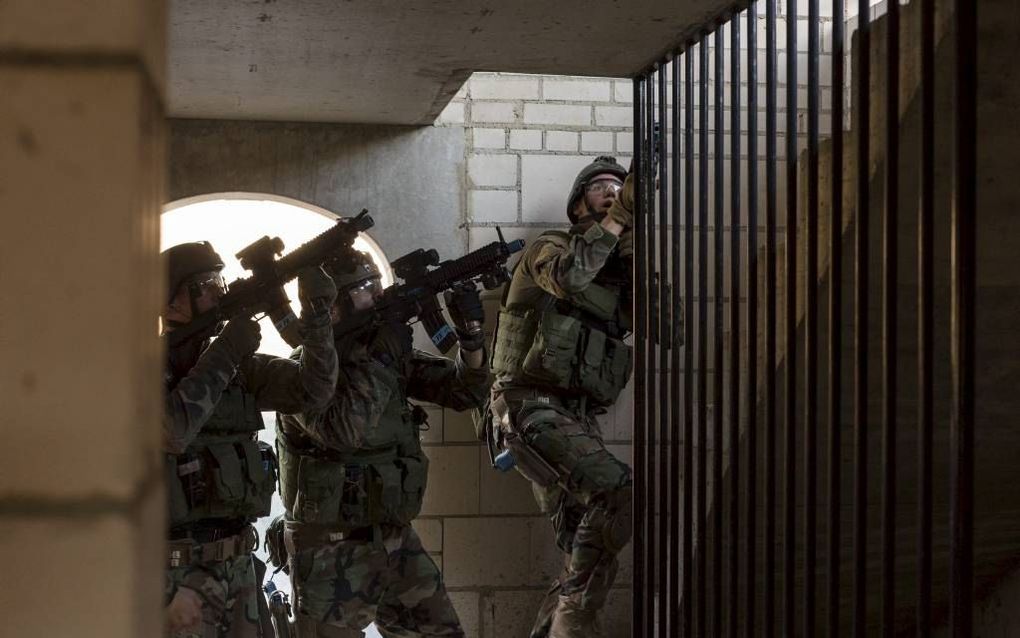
81	186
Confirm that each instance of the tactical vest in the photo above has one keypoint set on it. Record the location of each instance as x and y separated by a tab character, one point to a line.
570	346
226	472
382	482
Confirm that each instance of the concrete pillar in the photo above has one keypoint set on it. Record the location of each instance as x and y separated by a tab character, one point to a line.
82	167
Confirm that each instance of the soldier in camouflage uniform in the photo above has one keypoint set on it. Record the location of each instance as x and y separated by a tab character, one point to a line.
559	360
219	477
353	474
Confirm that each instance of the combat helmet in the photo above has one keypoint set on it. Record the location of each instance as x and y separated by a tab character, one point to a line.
351	268
602	164
186	260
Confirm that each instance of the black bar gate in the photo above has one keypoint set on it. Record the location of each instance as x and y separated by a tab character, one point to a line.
720	275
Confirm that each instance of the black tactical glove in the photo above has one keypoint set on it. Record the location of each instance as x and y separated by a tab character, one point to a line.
391	343
316	290
464	304
240	338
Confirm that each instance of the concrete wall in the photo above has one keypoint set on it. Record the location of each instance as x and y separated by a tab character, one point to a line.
83	157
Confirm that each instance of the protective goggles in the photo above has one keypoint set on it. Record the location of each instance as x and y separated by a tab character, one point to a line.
369	286
604	187
206	281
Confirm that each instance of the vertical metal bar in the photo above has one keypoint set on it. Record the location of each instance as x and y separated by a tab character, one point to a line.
665	310
717	361
674	362
702	333
961	550
925	317
771	212
890	260
650	376
689	518
638	619
790	347
863	110
751	387
836	321
734	382
811	325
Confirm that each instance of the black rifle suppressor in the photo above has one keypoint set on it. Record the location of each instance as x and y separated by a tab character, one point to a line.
416	297
263	290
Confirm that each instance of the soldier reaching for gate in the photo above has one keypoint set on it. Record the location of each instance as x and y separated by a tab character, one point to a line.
219	477
353	473
559	360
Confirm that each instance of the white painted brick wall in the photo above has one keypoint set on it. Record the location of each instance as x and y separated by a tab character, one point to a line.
492	170
561	141
503	87
490	137
493	112
493	206
596	141
576	90
545	183
561	114
526	140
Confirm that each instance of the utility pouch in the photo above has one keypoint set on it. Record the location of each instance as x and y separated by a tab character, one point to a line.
515	335
605	367
530	463
414	478
550	360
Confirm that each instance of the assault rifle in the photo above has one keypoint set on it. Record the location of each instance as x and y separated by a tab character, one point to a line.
424	279
263	290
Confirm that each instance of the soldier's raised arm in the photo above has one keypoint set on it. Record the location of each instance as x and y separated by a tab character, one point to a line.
307	383
564	264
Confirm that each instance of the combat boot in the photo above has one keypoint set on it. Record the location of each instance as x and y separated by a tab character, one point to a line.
570	620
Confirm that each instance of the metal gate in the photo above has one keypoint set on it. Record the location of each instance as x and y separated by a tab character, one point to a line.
744	390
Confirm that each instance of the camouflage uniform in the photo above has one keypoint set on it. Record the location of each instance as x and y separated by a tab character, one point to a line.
559	360
212	555
354	557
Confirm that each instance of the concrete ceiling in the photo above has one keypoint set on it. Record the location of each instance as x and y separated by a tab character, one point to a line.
397	61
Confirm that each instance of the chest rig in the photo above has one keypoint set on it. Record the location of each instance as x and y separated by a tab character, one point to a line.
226	472
571	346
381	482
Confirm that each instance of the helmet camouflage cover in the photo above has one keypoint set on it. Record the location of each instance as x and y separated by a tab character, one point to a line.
187	260
351	268
602	164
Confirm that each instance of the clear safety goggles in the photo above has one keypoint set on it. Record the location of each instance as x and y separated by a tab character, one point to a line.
208	281
370	287
604	187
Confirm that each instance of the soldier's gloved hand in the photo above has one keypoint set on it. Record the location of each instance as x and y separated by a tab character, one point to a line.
184	612
464	303
391	343
316	290
240	338
626	244
621	210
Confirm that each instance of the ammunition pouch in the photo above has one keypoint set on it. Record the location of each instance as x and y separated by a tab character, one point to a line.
347	492
561	352
229	476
